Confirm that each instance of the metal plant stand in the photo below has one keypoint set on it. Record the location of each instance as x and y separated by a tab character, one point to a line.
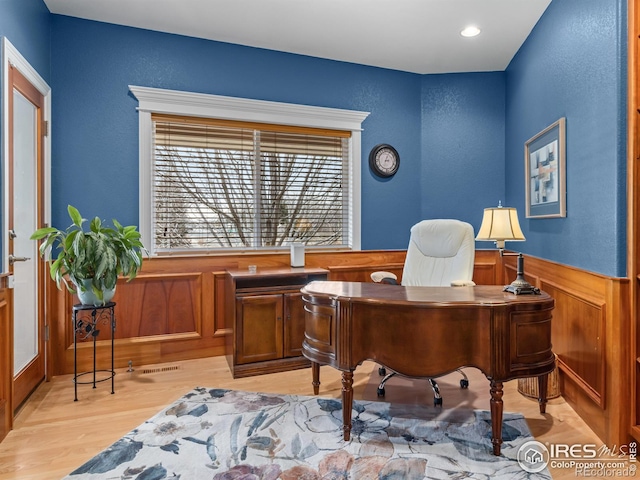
86	322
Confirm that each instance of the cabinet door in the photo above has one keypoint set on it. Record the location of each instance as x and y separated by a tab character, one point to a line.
293	324
259	328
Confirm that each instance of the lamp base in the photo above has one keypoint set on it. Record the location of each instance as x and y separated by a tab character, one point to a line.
524	288
520	286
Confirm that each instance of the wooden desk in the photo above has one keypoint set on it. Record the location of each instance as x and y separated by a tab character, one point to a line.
427	332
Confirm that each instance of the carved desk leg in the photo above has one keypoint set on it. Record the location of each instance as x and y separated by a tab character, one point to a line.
315	372
543	382
496	416
347	403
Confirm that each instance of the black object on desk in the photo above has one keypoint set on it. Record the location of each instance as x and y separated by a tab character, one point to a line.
86	321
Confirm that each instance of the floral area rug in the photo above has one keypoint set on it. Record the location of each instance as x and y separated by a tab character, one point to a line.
219	434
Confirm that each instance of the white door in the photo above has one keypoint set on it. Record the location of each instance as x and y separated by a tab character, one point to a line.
26	141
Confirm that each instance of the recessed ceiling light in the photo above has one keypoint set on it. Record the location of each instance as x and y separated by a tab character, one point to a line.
470	31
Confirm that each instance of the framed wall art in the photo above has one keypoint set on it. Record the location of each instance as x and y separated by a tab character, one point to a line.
544	166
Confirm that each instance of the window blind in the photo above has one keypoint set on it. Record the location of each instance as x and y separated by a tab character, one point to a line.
234	185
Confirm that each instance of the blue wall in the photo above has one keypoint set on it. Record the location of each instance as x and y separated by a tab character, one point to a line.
95	118
460	136
573	65
462	145
27	25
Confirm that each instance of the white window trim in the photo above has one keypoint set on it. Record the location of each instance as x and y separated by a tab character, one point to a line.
157	100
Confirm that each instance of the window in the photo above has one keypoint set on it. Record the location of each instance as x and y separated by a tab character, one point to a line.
225	174
234	185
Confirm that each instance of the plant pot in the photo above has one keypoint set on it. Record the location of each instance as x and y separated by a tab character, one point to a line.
87	297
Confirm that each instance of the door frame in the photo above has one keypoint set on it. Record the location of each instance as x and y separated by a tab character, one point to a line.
633	208
12	57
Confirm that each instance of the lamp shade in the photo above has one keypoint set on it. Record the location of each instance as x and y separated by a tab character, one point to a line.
500	224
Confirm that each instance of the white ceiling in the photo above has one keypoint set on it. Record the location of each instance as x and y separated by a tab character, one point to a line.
420	36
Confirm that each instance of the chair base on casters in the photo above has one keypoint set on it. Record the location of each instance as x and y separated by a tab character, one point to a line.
437	398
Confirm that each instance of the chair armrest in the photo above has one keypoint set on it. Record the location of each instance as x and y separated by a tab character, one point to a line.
384	277
463	283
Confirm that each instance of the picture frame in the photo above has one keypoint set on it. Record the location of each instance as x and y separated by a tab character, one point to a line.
544	169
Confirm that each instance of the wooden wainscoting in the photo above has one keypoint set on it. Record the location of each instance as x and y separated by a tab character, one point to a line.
175	310
590	335
486	270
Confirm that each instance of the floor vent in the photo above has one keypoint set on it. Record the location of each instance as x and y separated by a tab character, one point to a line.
160	369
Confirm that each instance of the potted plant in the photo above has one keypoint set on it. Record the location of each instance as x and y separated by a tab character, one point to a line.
91	259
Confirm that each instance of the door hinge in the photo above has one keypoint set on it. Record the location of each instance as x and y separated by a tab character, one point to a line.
45	128
46	333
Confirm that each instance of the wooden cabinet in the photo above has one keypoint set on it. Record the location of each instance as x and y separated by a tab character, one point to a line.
269	327
293	325
259	328
266	315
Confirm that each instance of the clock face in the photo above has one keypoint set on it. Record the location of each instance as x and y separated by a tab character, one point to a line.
384	160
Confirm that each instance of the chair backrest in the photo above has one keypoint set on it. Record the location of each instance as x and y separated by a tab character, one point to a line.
440	252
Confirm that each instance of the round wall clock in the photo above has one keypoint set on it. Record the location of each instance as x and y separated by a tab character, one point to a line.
384	160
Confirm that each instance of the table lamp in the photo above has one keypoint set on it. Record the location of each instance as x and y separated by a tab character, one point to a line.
500	224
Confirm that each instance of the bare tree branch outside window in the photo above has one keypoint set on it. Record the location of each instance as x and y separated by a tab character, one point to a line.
265	196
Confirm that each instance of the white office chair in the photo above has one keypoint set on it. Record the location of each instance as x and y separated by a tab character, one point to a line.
440	253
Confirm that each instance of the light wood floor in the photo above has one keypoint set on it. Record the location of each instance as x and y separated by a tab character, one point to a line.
53	434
